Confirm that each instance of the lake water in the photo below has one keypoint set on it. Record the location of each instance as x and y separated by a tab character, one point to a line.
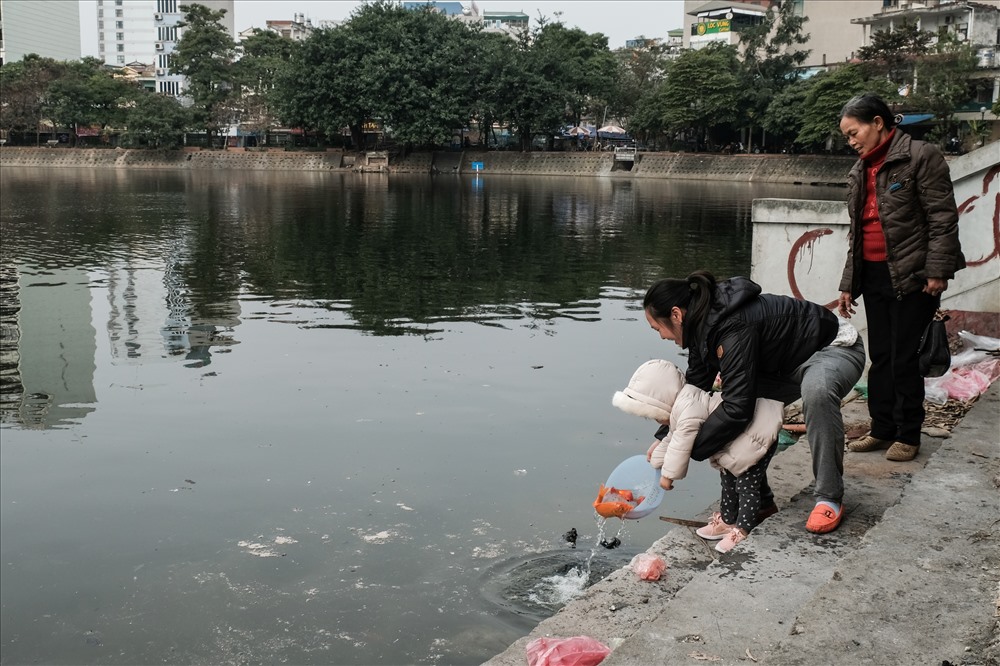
324	418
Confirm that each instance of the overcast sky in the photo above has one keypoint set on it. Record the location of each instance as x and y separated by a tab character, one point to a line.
619	19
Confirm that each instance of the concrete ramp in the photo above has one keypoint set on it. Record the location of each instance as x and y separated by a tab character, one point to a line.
447	161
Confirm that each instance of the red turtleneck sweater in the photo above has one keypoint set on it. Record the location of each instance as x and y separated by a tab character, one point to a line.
873	239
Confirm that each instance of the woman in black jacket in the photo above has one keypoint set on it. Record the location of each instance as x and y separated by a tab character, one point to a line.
764	346
903	250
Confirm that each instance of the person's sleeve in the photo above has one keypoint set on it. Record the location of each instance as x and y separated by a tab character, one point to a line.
937	198
697	373
738	367
689	421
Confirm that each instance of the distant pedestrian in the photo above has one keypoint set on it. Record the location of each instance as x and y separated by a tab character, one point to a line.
764	346
902	251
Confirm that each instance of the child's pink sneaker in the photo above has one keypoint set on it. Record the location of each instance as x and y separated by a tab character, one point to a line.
715	530
734	537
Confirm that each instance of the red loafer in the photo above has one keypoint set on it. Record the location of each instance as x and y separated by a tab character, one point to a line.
824	519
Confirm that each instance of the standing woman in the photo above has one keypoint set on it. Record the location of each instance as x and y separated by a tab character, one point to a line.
764	346
903	250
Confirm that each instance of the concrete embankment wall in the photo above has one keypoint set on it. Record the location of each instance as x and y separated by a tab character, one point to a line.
805	169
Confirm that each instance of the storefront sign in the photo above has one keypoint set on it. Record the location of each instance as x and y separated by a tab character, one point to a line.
713	27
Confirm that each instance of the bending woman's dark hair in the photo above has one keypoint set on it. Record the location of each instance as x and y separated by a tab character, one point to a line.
693	294
867	108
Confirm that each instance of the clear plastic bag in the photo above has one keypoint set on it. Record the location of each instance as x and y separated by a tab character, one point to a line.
648	566
983	342
573	651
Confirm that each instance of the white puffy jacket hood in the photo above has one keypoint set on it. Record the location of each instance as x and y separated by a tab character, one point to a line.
652	391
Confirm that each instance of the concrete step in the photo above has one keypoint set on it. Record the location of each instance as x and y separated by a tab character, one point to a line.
909	577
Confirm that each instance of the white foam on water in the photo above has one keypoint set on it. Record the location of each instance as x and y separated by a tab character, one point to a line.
560	588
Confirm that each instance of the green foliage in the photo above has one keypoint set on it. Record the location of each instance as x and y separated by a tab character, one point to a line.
640	71
698	93
156	121
582	65
944	83
265	60
205	54
772	54
27	99
825	95
88	93
893	53
409	69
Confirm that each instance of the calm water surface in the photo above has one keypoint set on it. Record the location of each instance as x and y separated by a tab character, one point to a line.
323	418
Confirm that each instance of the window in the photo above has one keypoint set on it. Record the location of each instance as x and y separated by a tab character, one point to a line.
120	36
121	48
121	60
118	13
100	13
120	24
100	25
118	3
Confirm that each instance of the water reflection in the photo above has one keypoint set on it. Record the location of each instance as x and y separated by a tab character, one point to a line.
175	254
48	346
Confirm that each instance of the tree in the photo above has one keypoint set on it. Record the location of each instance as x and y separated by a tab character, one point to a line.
771	58
697	95
407	68
89	94
534	100
892	53
944	83
639	71
584	66
204	55
156	121
26	100
265	59
492	69
826	95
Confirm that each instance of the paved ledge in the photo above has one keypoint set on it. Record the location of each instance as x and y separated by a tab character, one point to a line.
911	576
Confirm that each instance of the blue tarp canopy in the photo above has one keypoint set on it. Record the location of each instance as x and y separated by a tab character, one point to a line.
915	118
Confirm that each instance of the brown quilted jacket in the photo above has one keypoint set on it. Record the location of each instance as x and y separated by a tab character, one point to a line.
916	204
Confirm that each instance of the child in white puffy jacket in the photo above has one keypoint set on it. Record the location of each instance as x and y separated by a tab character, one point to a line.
658	391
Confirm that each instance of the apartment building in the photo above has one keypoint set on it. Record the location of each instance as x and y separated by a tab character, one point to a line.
49	29
833	37
147	31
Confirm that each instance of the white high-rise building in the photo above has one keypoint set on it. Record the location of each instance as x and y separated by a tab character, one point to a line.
49	29
146	31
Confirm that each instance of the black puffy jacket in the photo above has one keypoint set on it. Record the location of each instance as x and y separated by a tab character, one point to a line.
747	335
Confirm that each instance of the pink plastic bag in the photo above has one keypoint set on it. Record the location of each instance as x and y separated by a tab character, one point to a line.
575	651
965	383
648	566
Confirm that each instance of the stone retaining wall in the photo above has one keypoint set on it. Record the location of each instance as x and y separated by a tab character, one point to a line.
800	169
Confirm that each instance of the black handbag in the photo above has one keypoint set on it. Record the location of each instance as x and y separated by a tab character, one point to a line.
934	357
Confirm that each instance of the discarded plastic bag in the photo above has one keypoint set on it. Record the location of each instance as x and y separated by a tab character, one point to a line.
573	651
934	392
963	383
982	342
648	566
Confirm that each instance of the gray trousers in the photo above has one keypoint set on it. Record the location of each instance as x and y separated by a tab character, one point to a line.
822	382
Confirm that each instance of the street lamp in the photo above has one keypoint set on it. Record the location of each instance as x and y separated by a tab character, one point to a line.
982	114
